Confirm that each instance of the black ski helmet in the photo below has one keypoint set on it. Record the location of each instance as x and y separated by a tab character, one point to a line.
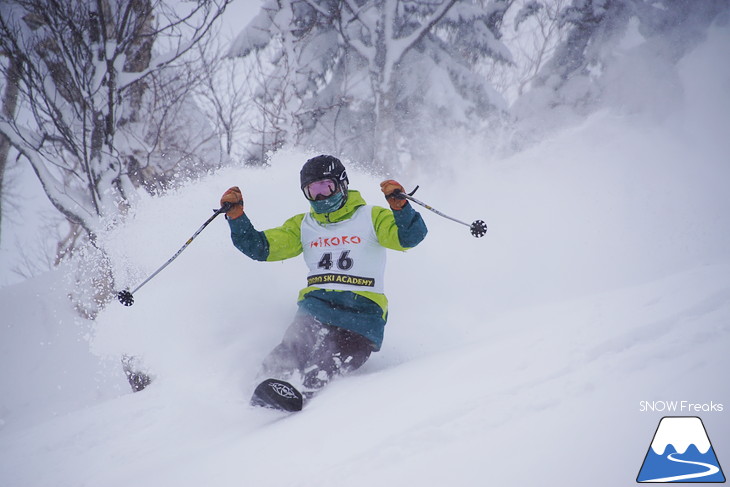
324	167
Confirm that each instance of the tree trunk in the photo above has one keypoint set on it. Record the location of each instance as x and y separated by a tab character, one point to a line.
9	105
385	154
138	55
386	148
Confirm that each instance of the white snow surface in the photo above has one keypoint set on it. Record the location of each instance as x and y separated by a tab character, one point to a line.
517	359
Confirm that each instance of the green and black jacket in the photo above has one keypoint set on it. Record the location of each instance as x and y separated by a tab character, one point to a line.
363	312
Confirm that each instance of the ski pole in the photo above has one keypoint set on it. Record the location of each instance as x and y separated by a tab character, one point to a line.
478	228
126	297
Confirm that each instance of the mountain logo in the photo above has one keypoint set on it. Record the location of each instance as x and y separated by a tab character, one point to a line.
681	452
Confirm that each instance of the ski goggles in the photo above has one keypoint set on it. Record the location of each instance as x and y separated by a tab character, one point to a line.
320	189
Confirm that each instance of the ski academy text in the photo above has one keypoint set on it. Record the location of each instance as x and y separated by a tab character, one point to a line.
340	279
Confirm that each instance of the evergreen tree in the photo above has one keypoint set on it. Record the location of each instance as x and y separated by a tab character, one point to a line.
595	26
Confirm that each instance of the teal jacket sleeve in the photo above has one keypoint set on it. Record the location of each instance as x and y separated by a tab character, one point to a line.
277	243
411	227
247	239
399	230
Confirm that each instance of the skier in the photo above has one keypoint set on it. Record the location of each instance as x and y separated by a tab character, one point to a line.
343	310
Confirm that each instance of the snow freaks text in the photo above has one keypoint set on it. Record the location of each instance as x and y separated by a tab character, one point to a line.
680	407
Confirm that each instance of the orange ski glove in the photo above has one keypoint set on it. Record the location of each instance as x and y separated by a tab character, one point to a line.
234	197
390	189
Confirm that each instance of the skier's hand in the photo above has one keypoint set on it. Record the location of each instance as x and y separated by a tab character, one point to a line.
233	196
391	189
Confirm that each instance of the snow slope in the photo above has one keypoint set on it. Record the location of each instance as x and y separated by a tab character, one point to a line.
516	359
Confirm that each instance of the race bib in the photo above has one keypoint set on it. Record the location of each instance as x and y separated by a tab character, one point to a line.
344	255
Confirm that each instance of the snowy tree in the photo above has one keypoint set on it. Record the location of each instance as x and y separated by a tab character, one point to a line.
373	79
546	29
594	27
90	80
221	95
102	108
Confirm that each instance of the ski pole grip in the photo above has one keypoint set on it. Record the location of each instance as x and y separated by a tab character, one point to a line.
227	205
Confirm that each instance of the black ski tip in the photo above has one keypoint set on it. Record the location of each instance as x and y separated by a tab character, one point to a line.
126	298
277	394
478	228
